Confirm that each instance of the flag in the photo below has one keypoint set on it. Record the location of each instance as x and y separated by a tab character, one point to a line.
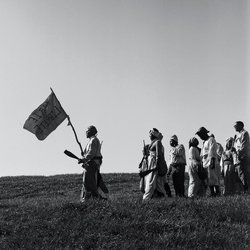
46	118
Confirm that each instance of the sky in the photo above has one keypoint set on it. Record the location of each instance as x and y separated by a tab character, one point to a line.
125	67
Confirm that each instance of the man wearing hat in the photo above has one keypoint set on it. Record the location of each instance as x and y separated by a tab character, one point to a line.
210	160
242	146
177	163
91	160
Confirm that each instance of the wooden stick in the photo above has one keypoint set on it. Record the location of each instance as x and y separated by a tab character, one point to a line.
69	123
75	135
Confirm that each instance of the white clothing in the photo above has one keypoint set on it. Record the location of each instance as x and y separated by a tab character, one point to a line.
209	151
152	181
194	180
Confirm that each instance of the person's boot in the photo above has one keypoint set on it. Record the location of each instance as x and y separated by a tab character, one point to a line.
87	196
167	189
212	192
217	190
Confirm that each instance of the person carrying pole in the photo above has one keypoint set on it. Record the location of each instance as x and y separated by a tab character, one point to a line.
91	161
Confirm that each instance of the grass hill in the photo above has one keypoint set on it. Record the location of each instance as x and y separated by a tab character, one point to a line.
38	212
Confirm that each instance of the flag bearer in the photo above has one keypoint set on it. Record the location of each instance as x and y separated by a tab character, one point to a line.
91	160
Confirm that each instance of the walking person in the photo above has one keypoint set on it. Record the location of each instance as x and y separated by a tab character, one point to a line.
228	170
210	161
153	183
91	161
196	184
177	163
242	146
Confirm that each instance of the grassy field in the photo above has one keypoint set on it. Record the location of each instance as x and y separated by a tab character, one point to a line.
39	212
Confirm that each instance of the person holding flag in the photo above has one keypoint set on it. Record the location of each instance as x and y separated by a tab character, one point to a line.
45	119
91	162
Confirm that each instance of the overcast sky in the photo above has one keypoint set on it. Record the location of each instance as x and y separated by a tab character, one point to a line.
125	67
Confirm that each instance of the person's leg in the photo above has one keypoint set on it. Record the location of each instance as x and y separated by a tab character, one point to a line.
83	188
167	189
102	188
217	190
150	186
241	174
201	188
231	181
160	181
226	183
101	184
182	180
175	182
238	181
212	191
85	192
246	171
90	181
178	180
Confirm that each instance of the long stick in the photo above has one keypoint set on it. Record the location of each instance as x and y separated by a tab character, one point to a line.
75	135
69	123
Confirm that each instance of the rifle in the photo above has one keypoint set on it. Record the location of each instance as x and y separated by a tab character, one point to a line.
144	154
68	153
144	173
71	155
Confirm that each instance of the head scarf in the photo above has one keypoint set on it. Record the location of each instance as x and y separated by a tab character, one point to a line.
193	142
228	141
239	123
92	129
174	138
156	133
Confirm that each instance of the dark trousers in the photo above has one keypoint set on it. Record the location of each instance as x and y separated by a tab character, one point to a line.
167	189
101	184
214	190
89	188
178	176
243	171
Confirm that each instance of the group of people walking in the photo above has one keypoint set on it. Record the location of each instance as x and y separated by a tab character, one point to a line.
205	165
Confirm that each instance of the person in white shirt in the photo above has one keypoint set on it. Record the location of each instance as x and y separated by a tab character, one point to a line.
177	163
91	162
210	161
220	149
242	146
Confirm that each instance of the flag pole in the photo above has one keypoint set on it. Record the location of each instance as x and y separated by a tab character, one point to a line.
69	123
75	134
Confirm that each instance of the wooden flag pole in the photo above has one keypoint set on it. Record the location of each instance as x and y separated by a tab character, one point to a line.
69	123
75	135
